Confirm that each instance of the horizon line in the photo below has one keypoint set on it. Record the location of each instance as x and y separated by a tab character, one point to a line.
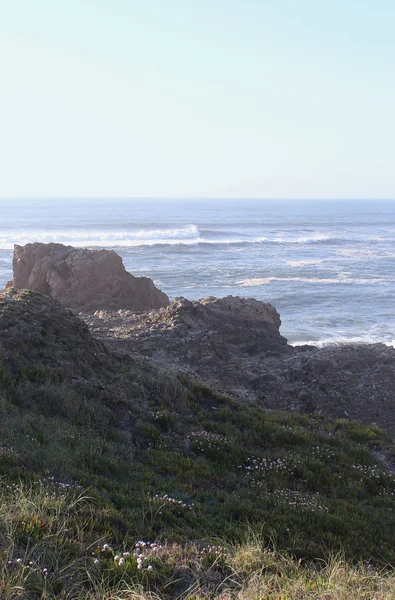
203	198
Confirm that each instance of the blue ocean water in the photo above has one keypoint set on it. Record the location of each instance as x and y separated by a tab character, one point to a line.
327	266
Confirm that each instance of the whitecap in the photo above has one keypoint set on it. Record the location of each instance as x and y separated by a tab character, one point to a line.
314	280
187	234
338	341
309	239
305	263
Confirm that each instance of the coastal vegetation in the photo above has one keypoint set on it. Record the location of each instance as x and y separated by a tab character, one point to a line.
207	497
120	480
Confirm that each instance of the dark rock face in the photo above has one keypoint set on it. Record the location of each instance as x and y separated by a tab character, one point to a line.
234	345
219	340
37	330
354	382
83	280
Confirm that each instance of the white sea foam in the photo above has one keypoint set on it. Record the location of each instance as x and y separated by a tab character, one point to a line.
363	253
344	341
94	243
188	234
318	261
305	263
308	239
315	280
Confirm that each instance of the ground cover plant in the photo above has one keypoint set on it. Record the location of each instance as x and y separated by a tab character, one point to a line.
151	485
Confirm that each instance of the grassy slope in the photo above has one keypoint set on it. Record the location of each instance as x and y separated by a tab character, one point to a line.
170	462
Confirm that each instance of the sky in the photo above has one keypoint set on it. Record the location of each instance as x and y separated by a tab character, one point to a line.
197	98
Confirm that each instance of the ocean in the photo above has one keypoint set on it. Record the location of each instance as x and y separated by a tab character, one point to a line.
327	266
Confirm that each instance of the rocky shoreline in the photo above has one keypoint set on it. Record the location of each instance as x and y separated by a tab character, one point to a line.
218	342
231	344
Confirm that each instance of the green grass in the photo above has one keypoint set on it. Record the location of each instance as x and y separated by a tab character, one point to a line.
148	457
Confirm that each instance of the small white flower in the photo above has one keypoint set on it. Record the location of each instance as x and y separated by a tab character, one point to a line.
96	561
121	562
150	568
139	566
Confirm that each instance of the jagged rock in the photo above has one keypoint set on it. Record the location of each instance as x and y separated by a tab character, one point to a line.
210	327
234	345
219	340
83	280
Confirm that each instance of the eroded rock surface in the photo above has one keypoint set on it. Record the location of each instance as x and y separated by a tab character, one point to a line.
234	345
83	280
208	330
355	382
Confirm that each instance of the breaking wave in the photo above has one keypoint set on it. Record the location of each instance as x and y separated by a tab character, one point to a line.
315	280
344	341
306	239
331	260
188	234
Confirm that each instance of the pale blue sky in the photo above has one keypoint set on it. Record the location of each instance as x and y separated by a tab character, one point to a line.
263	98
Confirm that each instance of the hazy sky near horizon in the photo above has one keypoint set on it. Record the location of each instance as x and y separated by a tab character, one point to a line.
226	98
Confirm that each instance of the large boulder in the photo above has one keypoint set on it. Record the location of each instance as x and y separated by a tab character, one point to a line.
83	280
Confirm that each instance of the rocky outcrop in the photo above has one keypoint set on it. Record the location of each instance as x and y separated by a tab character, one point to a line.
200	331
35	330
354	382
50	362
234	345
83	280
